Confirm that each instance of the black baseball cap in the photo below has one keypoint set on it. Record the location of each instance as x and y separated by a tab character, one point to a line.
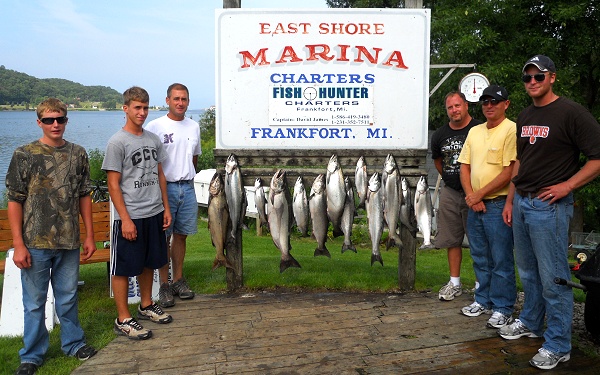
495	92
543	63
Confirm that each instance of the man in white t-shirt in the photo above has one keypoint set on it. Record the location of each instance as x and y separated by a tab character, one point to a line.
181	140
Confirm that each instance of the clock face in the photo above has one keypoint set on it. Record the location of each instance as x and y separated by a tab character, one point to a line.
472	86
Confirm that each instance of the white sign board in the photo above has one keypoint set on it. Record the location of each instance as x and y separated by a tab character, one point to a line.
320	79
11	313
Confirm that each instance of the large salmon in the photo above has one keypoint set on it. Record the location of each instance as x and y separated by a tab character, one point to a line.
336	194
361	181
424	211
281	219
300	207
407	211
260	201
317	203
235	193
374	205
218	220
348	217
392	199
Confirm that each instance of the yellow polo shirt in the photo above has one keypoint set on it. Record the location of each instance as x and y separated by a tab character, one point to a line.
488	151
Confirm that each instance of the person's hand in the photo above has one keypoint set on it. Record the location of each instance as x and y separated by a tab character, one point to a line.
554	192
166	220
473	198
128	230
89	248
479	207
507	213
22	257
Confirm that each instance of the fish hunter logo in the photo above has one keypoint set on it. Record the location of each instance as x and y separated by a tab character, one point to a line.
534	132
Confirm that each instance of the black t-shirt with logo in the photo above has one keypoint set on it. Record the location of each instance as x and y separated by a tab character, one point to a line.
549	140
447	144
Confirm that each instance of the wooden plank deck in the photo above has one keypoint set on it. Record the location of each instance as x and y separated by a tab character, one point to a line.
323	333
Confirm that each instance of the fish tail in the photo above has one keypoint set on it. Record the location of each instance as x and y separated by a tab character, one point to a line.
376	258
287	263
322	252
391	241
221	263
346	247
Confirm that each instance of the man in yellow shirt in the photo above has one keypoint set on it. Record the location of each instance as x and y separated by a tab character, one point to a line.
487	159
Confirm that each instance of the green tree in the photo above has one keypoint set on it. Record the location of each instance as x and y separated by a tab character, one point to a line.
96	157
207	125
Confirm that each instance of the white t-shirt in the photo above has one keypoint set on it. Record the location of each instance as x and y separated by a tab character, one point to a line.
181	140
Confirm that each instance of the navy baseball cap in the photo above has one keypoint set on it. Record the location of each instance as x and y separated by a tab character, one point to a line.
543	63
495	92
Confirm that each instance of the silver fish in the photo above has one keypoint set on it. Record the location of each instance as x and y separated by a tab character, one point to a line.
281	219
300	207
235	193
317	203
424	212
348	217
392	199
336	194
218	220
361	181
374	205
407	211
260	201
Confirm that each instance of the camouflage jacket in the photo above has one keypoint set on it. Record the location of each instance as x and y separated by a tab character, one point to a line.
48	182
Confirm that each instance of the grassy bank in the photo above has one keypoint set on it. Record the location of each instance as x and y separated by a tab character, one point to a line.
348	272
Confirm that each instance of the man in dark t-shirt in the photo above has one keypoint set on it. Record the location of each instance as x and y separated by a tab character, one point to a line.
446	144
551	134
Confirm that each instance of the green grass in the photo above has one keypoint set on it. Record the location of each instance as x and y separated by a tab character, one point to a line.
347	272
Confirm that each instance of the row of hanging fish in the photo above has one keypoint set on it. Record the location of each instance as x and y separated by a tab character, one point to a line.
386	198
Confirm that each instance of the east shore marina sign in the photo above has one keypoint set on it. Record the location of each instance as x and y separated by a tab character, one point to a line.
322	79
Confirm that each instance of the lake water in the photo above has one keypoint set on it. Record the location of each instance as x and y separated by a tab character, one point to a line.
90	129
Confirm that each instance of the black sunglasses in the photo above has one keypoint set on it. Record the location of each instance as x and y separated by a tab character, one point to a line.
490	101
50	120
539	77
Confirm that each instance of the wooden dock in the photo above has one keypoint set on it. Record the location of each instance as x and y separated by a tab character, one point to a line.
324	333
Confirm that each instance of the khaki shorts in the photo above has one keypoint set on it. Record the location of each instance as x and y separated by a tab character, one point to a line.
452	219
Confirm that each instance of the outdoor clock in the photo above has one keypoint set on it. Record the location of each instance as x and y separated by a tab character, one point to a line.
472	86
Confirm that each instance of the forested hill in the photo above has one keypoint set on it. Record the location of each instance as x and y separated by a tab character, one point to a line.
21	89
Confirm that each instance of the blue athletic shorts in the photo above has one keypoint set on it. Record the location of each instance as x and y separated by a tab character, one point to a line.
149	250
184	207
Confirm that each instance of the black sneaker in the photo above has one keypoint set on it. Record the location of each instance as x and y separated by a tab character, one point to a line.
26	368
182	289
85	352
154	313
165	295
132	329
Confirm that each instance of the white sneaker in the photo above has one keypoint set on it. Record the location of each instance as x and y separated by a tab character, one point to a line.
499	320
515	330
546	360
475	309
449	291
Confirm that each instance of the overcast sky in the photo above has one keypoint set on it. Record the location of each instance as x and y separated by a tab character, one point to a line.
120	43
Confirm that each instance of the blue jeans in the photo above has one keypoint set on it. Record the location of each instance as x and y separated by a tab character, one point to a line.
184	207
541	244
61	268
491	243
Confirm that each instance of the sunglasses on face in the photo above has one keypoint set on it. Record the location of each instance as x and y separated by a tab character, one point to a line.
539	77
50	120
490	101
